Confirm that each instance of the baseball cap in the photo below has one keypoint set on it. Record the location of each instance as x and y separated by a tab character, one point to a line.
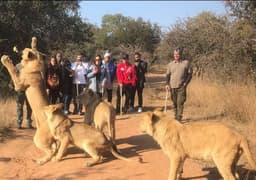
107	54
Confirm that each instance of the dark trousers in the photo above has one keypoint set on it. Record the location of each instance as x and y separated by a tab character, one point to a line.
53	95
127	91
21	99
139	91
76	90
66	101
178	96
109	94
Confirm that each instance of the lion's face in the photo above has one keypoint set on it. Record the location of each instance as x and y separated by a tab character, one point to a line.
51	109
149	119
30	61
87	96
146	123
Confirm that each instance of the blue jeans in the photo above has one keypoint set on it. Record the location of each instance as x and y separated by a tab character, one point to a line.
66	101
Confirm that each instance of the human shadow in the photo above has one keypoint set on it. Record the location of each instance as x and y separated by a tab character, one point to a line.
139	143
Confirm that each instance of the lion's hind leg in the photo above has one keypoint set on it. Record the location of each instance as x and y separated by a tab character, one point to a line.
92	151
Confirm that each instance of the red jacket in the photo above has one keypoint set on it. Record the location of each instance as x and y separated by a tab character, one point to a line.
125	74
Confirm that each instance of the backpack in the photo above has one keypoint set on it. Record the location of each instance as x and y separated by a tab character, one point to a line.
53	80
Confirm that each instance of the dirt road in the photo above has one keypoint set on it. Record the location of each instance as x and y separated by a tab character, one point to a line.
18	150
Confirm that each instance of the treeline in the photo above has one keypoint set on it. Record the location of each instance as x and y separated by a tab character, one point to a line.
221	47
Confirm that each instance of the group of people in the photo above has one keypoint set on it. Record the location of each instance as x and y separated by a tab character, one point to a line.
66	80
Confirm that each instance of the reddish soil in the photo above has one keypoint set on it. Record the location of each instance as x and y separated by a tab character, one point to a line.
18	150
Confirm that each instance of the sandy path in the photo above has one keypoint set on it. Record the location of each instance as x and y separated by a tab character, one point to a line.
17	152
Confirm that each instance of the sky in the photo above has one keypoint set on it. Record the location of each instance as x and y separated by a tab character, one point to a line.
164	13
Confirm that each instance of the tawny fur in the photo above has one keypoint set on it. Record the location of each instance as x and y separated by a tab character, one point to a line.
31	80
81	135
198	140
104	115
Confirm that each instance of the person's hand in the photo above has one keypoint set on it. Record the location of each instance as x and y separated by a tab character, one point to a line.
95	70
61	95
167	87
103	85
121	85
47	91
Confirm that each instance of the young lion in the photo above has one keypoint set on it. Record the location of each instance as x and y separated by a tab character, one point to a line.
100	112
199	140
79	134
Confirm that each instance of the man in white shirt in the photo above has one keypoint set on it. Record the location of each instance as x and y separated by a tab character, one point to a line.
79	81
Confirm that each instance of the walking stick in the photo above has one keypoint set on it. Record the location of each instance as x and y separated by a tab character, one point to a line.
121	97
166	99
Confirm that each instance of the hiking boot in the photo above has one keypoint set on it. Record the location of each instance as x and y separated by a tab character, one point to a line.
179	118
130	109
30	126
19	126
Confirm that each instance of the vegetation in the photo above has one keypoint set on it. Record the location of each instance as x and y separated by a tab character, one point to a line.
219	47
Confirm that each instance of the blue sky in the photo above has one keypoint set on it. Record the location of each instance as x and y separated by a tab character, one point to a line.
164	13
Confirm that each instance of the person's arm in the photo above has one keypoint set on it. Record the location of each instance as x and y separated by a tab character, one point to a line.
134	77
189	75
119	75
90	72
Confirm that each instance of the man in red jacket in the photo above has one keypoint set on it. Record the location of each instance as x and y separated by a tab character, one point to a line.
126	78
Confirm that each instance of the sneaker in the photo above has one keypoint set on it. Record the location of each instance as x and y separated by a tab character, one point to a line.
130	109
139	109
30	126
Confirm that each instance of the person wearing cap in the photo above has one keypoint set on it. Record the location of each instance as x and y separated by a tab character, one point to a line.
126	78
110	67
140	68
178	76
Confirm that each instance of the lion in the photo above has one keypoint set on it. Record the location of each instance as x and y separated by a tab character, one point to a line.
199	140
31	79
101	112
80	134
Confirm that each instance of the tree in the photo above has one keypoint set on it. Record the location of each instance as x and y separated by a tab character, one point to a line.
128	34
56	24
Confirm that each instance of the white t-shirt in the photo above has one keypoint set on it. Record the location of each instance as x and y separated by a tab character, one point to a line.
80	73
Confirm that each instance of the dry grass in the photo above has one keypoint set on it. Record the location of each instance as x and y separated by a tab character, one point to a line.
8	113
233	104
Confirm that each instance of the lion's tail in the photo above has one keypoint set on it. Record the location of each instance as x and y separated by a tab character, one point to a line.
244	145
113	150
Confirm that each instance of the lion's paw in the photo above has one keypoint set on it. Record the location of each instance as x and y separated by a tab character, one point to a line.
6	60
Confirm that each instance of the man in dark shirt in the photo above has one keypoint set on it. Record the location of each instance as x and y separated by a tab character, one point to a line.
140	69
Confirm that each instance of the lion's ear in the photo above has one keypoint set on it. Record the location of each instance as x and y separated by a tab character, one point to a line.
154	118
